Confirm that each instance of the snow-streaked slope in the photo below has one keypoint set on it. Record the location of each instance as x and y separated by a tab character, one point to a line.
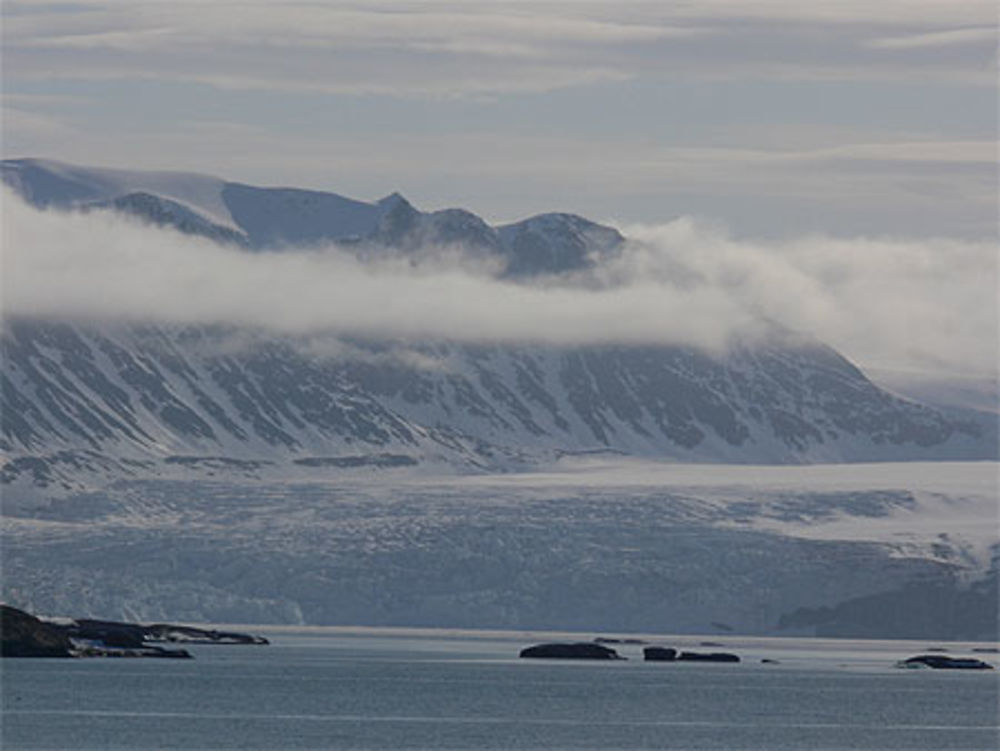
76	399
164	212
628	546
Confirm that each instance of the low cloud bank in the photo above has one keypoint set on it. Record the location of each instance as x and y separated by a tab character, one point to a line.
929	304
924	305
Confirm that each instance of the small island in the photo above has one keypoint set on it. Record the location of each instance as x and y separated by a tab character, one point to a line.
941	662
668	654
572	651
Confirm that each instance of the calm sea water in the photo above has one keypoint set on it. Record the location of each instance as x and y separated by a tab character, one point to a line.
329	689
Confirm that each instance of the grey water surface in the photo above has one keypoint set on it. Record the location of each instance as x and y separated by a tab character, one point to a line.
326	689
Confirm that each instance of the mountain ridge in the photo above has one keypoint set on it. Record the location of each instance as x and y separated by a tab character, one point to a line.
274	218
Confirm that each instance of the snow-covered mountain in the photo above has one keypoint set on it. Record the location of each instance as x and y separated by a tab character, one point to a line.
154	393
75	397
114	434
268	219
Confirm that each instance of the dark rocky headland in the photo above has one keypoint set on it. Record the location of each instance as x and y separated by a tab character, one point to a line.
24	635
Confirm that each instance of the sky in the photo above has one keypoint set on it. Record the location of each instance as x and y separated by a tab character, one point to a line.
773	118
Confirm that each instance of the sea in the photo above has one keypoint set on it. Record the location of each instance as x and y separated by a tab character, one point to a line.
364	688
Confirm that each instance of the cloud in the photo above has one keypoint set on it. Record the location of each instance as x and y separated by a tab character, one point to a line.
930	304
454	48
101	267
444	49
950	37
909	13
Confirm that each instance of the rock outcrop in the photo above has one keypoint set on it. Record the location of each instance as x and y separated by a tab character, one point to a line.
941	662
668	654
659	654
23	635
574	651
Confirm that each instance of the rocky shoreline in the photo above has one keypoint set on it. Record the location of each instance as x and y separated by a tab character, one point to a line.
24	635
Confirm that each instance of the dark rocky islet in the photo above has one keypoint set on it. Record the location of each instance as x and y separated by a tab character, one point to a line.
941	662
572	651
668	654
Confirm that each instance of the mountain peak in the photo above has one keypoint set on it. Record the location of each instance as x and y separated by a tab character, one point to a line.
393	199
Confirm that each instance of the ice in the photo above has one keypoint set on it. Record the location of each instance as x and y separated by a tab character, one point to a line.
634	546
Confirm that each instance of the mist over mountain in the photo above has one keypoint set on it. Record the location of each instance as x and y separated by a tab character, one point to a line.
163	330
268	219
175	387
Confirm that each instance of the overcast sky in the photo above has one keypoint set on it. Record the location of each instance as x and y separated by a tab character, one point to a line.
771	117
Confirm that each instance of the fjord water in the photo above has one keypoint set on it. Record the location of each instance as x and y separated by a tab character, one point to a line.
333	689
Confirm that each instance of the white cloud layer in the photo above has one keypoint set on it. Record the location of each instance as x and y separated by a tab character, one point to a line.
100	266
929	304
475	48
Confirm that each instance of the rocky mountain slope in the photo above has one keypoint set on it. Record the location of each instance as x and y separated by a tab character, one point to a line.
161	397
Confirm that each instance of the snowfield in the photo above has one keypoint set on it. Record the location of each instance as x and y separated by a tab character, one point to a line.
595	543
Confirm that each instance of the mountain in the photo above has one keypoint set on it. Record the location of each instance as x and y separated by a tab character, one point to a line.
220	473
269	219
163	212
157	394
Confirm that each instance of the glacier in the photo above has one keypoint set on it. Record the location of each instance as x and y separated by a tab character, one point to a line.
593	544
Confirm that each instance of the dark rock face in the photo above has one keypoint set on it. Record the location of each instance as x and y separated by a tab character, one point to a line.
23	635
575	651
940	662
